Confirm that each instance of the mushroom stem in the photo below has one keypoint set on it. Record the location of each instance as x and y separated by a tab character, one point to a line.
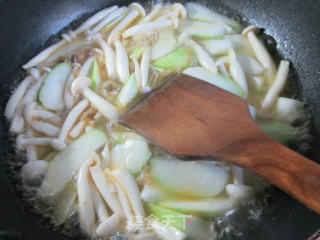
31	149
260	51
277	86
122	62
81	84
237	72
32	92
95	19
99	205
17	123
110	58
68	98
237	174
166	232
147	27
44	54
17	96
109	18
109	226
21	141
86	67
137	71
135	10
103	186
72	117
222	68
204	58
77	129
47	115
129	185
105	153
145	60
152	14
86	210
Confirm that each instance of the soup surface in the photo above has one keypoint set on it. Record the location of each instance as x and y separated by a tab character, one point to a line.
112	181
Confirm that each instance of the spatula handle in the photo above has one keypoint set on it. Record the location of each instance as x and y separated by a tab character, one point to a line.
293	173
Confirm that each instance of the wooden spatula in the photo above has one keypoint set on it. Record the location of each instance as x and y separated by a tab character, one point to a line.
192	119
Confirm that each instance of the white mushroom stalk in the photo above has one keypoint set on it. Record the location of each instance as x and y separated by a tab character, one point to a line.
44	54
17	96
136	10
166	232
108	19
95	19
81	85
178	10
33	91
128	183
73	115
105	153
221	66
237	72
123	201
68	98
260	51
155	10
237	174
109	55
122	61
31	149
99	205
46	115
22	141
86	209
137	71
148	27
145	61
86	67
77	129
104	187
35	73
204	58
37	125
17	123
109	226
277	86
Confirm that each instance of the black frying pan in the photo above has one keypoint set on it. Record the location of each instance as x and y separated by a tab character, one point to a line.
26	27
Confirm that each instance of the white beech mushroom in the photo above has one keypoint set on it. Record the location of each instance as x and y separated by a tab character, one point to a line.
77	129
32	93
17	123
109	55
105	153
148	27
44	54
33	171
260	50
277	86
137	71
237	174
95	19
204	58
237	72
98	203
221	66
109	18
178	10
144	66
86	209
166	232
73	115
155	10
129	184
17	96
109	226
68	98
105	189
122	61
136	10
21	141
81	85
37	125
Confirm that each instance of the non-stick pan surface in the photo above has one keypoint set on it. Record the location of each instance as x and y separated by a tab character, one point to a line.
26	27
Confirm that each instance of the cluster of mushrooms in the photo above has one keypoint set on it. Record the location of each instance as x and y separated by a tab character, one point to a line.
109	198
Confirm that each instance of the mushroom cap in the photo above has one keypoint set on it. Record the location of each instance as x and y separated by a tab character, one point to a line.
79	84
180	9
250	29
137	6
58	144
